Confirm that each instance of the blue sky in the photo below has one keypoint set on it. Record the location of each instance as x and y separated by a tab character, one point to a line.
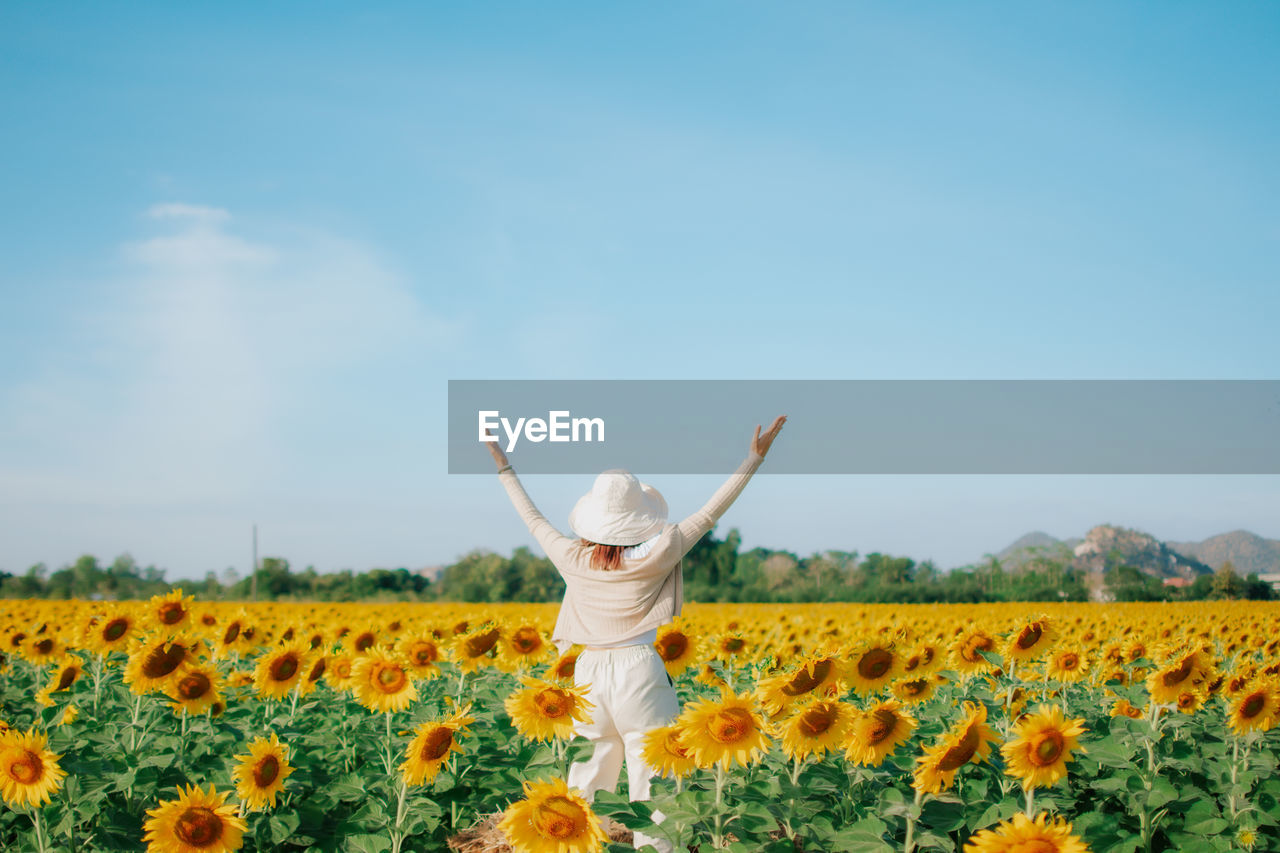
245	247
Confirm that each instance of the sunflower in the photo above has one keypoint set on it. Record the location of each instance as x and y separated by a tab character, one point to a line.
69	715
543	710
563	668
966	651
1182	670
1031	640
1190	700
29	773
194	688
422	655
522	647
260	775
872	666
314	673
676	650
383	681
877	732
155	659
925	659
969	741
914	689
1068	665
816	726
231	635
1123	708
552	817
70	668
196	822
814	676
723	731
432	745
1040	752
361	640
279	670
338	672
472	649
1257	709
729	647
664	752
166	615
111	631
43	649
1022	834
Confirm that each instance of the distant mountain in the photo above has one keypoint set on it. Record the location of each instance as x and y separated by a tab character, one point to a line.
1248	552
1107	546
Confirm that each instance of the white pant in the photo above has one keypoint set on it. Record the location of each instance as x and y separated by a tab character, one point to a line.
632	696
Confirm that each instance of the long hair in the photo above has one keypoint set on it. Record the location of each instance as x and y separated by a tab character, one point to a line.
604	558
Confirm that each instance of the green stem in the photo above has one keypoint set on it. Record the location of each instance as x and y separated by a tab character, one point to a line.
387	751
293	706
36	819
909	845
397	837
717	836
1031	802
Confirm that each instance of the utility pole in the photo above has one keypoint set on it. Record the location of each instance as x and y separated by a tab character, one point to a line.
253	584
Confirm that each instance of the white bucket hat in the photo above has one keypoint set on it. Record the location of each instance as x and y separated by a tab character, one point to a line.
619	510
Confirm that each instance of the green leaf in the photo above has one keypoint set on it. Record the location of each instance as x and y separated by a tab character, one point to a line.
283	826
367	843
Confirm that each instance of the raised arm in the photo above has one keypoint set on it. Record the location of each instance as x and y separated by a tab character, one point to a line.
546	534
696	526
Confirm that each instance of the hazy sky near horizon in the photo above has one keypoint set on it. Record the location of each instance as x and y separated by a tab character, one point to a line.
245	247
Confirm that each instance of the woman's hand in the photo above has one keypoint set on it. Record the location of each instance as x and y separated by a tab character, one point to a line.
498	456
760	443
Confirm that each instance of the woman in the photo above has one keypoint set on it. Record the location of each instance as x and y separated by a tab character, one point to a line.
622	581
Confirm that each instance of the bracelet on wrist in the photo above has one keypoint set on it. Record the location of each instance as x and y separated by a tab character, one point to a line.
505	468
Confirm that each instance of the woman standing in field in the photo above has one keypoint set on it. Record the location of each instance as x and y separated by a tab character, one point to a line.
622	581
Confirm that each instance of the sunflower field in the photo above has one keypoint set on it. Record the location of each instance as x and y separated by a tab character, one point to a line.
176	726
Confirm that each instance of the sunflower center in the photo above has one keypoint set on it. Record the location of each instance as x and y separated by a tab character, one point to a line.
552	702
875	663
115	630
193	685
1252	706
27	769
316	671
1046	748
66	678
172	613
1187	700
958	756
927	654
975	644
1033	845
674	746
734	645
199	827
1029	636
424	653
436	744
208	620
481	643
284	668
163	660
389	679
364	641
883	722
566	667
266	771
914	688
1178	674
233	631
815	721
526	640
559	818
731	725
804	681
673	646
44	646
1069	661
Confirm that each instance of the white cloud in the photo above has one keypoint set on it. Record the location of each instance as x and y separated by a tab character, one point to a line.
195	365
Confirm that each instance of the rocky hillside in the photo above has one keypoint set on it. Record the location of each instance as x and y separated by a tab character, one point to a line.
1248	552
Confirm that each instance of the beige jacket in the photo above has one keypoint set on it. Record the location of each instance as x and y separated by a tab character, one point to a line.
605	607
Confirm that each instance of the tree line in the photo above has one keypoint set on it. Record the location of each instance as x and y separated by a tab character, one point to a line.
715	570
